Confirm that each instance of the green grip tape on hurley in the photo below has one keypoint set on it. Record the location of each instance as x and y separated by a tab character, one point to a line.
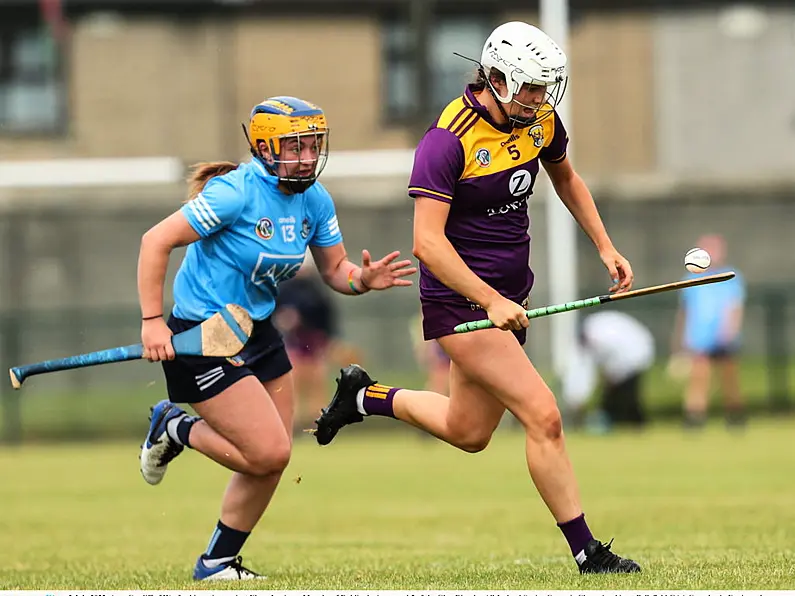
536	313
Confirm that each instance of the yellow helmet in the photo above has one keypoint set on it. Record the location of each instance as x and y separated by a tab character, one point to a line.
278	120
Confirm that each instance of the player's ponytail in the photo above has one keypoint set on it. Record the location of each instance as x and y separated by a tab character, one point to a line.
204	171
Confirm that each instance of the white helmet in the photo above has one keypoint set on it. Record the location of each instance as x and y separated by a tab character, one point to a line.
525	55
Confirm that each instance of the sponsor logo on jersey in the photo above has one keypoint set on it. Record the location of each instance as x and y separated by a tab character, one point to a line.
520	183
511	139
518	205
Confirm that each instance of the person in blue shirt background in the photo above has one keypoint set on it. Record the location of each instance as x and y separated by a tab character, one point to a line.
246	227
709	331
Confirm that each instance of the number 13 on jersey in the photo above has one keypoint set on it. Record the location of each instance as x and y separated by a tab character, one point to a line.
288	232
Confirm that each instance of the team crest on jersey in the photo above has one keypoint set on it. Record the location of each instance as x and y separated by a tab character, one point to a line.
236	361
537	134
305	228
264	228
483	157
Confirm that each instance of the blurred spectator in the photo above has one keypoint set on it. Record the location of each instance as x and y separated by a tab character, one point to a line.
306	316
708	332
620	349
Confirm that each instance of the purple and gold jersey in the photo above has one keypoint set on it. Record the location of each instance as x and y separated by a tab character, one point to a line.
486	172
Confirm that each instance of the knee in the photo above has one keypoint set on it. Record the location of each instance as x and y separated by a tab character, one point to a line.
270	461
551	424
543	422
473	440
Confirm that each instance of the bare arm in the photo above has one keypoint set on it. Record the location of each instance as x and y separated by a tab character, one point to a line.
578	200
340	273
156	247
432	247
334	267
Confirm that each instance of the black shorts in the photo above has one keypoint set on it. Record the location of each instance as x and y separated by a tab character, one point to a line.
723	352
623	401
192	379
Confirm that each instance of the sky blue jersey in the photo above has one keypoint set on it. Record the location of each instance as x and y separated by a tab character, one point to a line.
253	237
707	309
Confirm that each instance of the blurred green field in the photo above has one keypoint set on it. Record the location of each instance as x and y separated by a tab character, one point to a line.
119	411
712	510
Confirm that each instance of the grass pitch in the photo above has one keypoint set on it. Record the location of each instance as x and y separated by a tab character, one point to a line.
395	511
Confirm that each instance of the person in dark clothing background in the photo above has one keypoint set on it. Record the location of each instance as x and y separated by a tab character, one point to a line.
307	317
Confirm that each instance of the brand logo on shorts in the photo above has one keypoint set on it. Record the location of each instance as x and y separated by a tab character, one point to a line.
264	228
537	134
305	228
209	378
483	157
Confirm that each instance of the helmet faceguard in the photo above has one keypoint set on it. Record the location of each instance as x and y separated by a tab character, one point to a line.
290	150
541	110
296	136
525	55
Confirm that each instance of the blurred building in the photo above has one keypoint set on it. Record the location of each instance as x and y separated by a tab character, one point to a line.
174	78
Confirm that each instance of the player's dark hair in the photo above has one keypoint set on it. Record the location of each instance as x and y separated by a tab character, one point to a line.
495	75
204	171
480	78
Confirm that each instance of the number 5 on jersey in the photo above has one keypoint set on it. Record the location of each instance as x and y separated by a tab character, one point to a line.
513	151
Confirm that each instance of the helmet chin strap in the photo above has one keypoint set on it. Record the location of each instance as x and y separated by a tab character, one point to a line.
522	122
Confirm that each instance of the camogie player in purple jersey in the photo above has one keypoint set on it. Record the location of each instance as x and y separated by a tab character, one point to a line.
473	173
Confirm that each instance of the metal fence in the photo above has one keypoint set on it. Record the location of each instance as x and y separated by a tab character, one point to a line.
70	286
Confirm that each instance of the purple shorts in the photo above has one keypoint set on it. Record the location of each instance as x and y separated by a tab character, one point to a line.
440	318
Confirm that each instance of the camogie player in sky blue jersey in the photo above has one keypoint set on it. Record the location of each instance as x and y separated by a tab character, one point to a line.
474	171
247	228
708	330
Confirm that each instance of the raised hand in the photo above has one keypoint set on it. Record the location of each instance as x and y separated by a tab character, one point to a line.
385	273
